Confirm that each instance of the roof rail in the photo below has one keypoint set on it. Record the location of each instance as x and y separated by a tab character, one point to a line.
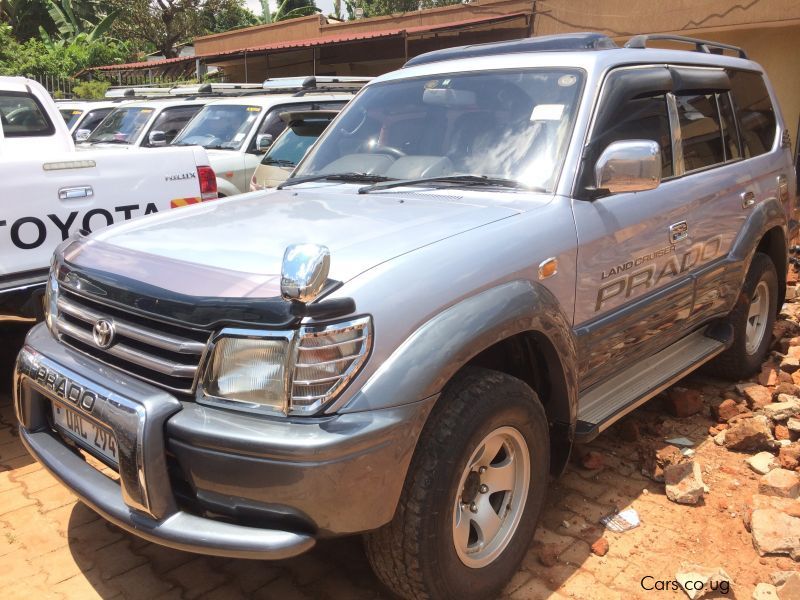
314	83
543	43
705	46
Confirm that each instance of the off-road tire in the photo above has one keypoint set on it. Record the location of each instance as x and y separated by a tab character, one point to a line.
414	554
735	363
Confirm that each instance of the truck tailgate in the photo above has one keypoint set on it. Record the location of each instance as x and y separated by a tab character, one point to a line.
48	198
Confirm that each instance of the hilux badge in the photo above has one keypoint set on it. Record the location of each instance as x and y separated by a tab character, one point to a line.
103	333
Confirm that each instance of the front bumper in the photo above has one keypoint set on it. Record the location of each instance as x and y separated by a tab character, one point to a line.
209	480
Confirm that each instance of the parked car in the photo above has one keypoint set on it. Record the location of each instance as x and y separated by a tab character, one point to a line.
302	129
145	123
50	191
489	256
238	131
82	117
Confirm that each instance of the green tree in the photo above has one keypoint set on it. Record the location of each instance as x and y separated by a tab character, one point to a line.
232	15
287	9
71	26
164	24
24	17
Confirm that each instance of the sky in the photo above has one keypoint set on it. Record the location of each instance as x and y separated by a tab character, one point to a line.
255	5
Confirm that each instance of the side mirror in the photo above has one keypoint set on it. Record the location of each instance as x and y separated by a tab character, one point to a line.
157	138
629	166
82	135
304	271
264	141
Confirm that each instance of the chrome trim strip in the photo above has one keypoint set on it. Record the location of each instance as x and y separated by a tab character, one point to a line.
160	365
134	332
678	165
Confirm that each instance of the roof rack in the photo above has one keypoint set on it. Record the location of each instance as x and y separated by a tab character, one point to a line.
705	46
545	43
305	85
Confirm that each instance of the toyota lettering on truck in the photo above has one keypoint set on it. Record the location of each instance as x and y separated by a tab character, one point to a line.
489	256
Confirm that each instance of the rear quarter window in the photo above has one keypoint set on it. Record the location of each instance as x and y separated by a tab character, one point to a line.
21	115
754	110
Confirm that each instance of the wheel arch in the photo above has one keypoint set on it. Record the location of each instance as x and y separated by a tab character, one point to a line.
773	244
518	318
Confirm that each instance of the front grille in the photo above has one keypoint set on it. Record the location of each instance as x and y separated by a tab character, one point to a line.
160	353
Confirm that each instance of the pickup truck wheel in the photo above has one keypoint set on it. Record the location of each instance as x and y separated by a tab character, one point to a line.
473	493
752	319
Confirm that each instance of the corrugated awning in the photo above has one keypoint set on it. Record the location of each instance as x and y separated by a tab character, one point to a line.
319	41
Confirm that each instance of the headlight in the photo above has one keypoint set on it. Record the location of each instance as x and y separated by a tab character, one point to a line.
292	373
51	301
251	372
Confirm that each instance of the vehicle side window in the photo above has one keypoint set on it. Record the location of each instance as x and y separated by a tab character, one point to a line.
273	125
701	131
21	115
639	119
757	123
172	120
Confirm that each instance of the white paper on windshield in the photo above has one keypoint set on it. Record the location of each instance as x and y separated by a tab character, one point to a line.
547	112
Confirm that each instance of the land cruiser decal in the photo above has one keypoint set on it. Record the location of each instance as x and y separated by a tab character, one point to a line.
650	276
28	233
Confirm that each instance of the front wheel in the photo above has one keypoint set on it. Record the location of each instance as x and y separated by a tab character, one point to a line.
473	493
752	319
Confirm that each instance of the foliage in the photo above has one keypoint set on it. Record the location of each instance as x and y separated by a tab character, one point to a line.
24	17
375	8
164	24
287	9
91	90
71	26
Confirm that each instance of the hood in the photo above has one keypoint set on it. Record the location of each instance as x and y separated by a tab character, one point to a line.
234	247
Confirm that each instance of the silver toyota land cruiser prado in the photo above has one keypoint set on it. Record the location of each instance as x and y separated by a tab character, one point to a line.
491	254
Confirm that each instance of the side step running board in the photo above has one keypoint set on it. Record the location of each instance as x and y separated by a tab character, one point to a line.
607	402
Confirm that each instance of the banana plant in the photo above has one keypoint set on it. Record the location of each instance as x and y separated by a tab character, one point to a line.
71	27
283	12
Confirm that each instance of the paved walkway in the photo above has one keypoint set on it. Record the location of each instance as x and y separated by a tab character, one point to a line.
53	547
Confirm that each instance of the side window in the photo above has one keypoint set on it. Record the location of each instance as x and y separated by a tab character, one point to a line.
172	120
757	123
21	115
701	131
638	119
273	125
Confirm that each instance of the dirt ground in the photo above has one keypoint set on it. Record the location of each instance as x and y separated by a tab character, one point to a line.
52	546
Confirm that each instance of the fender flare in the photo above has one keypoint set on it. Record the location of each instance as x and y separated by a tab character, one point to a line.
421	366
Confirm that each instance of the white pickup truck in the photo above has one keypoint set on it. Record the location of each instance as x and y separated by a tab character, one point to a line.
51	191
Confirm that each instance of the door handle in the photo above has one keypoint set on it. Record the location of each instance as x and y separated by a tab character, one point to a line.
81	191
748	199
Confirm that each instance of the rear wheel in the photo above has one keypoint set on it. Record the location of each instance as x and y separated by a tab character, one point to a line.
473	493
752	319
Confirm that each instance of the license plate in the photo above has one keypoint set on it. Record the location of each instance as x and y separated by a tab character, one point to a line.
86	433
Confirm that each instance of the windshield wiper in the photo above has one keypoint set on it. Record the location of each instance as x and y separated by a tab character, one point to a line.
279	162
111	141
459	180
357	177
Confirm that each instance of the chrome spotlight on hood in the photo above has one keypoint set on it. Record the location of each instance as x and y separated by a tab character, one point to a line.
304	271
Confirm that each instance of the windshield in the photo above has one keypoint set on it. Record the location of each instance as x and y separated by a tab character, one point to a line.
123	126
509	124
220	126
71	116
292	144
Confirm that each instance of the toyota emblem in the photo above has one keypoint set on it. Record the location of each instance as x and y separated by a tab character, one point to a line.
103	333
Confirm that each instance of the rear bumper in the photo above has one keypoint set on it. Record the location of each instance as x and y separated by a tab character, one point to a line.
214	481
21	297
